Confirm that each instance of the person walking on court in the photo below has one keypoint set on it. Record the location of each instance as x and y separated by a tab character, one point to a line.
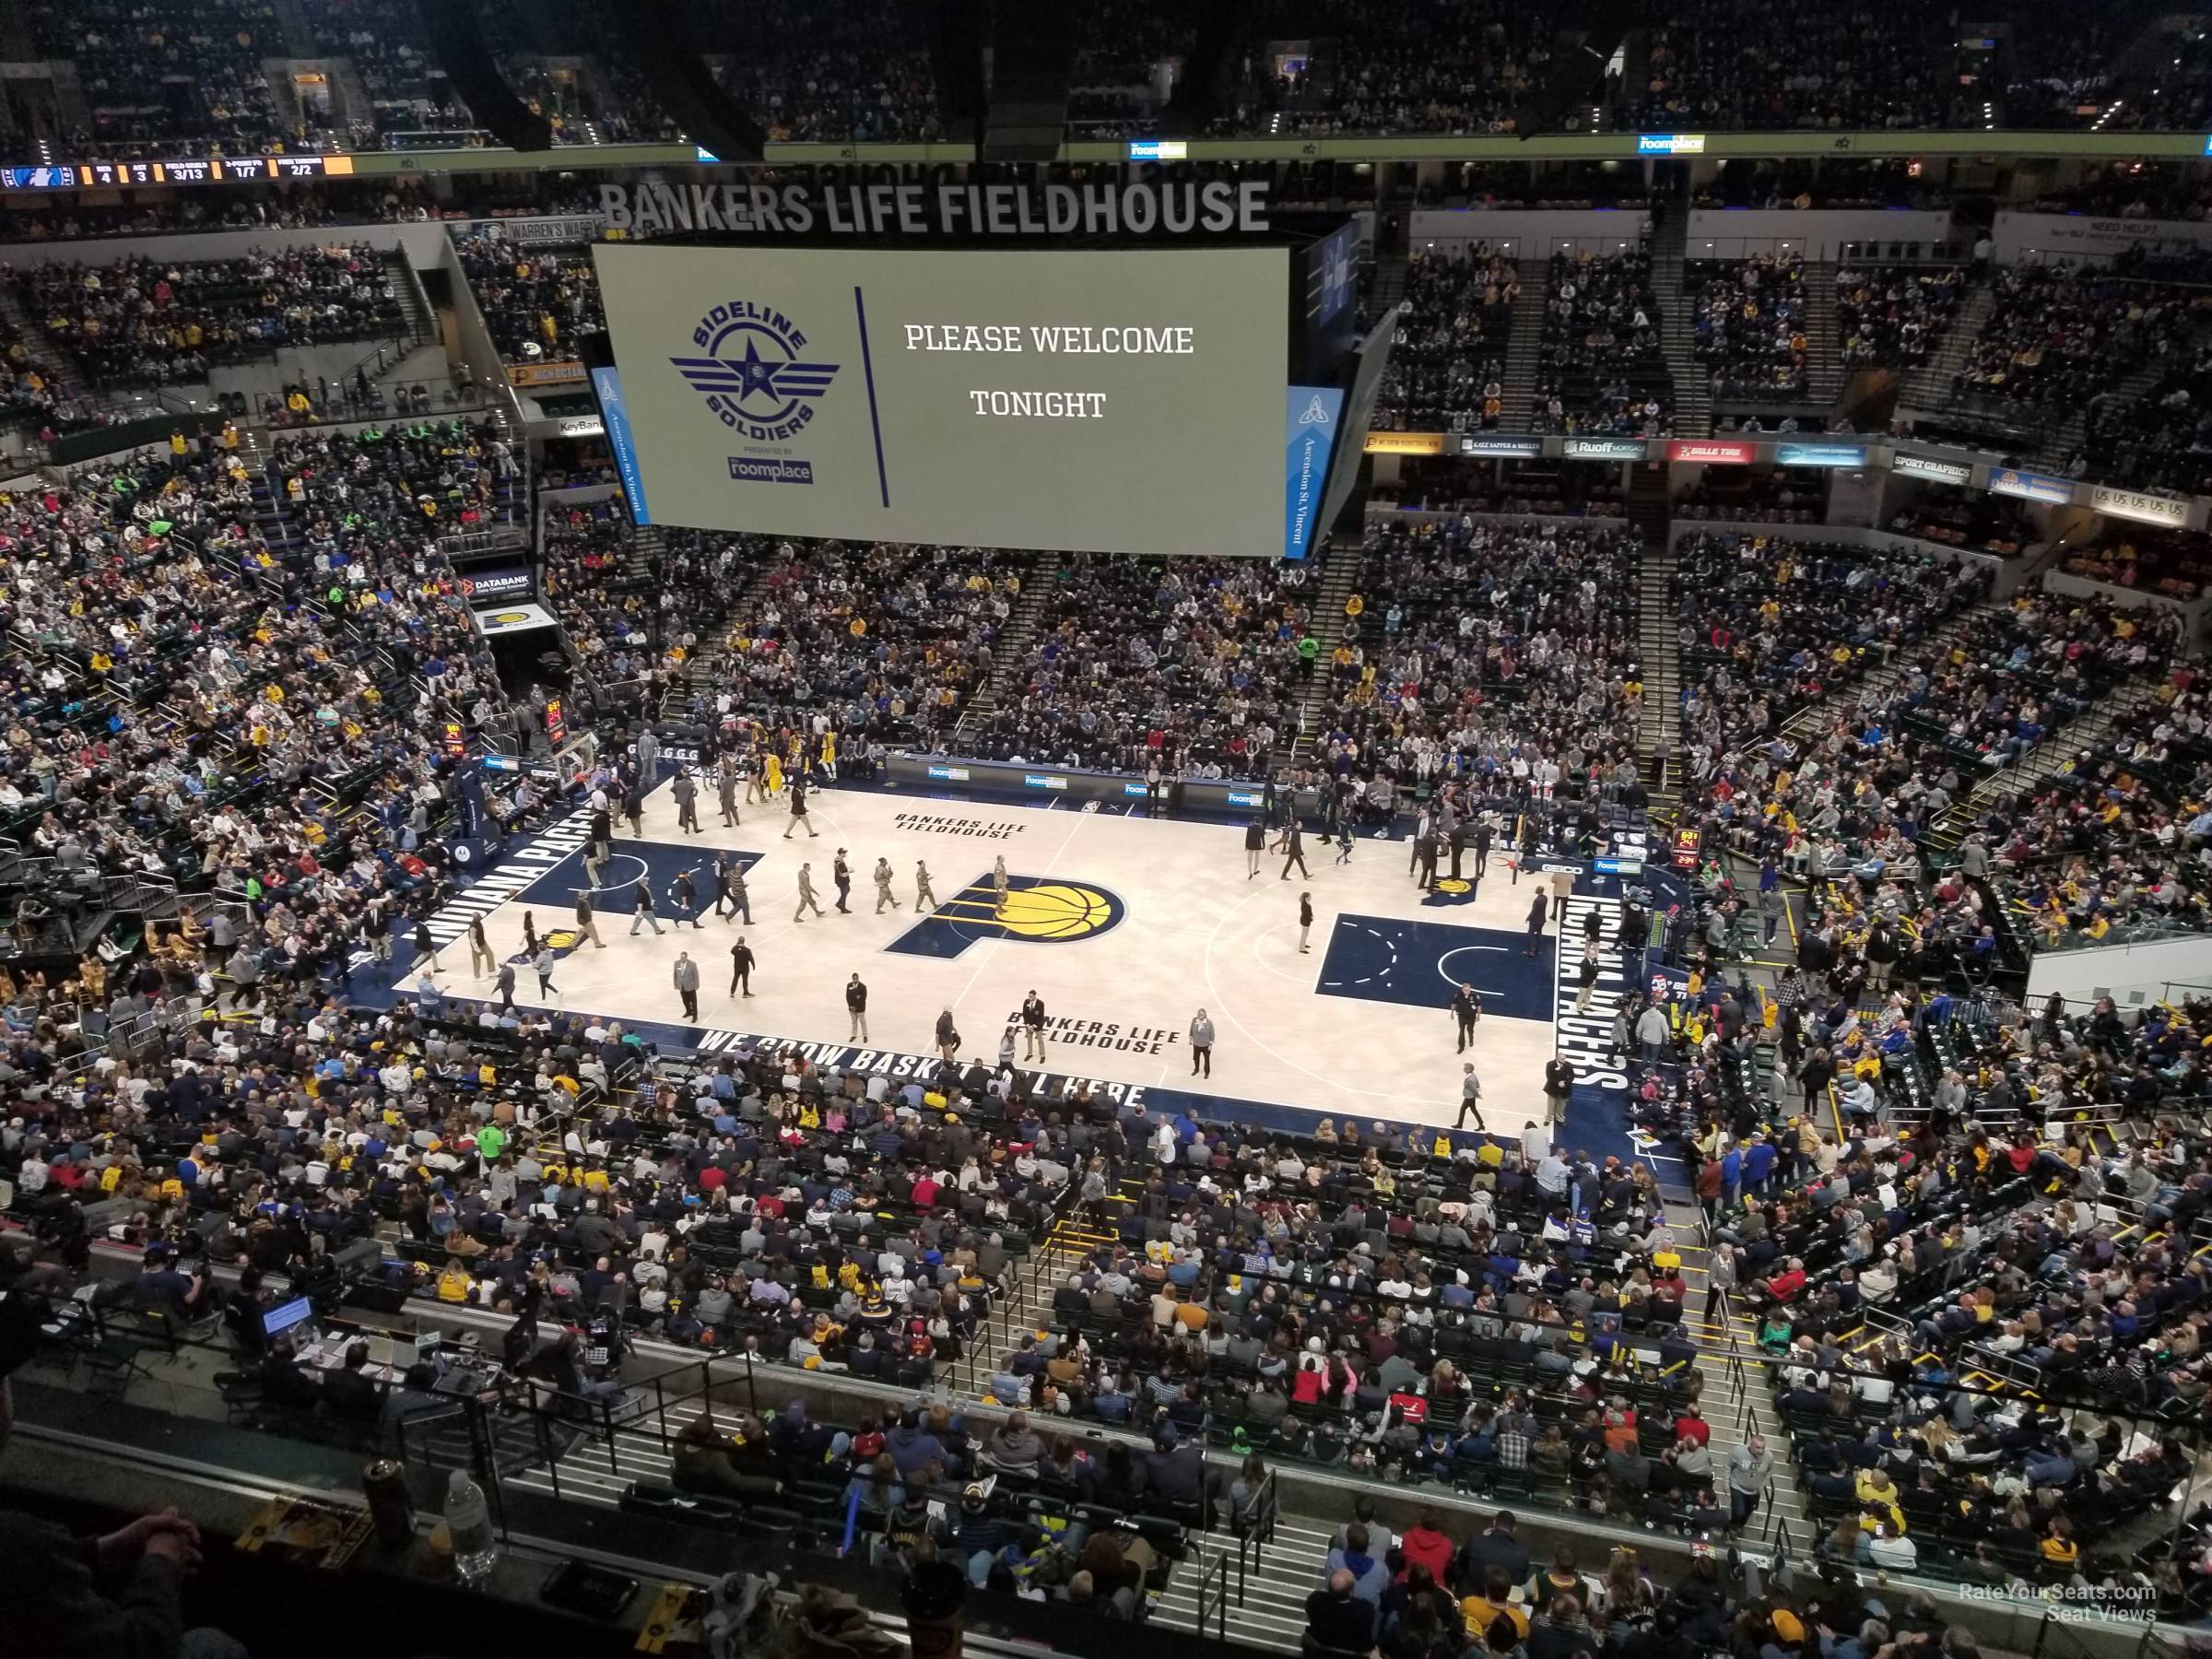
587	919
1424	851
1536	908
633	808
529	933
1470	1099
1344	841
741	967
683	893
686	984
543	964
841	873
725	791
1000	882
883	886
1586	976
1202	1044
1305	922
480	959
806	898
1256	843
686	789
741	898
798	810
949	1038
506	987
642	909
1482	849
1467	1010
1032	1027
1294	848
856	1004
925	896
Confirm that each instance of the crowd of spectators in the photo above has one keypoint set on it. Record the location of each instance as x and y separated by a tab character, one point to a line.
1599	367
811	71
876	644
2057	336
1431	67
1747	321
2161	440
1192	665
147	322
1504	655
1447	367
1730	63
1770	625
184	77
2174	564
1890	317
538	301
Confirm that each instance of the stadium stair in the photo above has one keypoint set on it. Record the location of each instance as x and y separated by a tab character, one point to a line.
1522	343
1006	656
52	362
1824	375
1659	737
1279	1573
2050	759
1339	570
1805	726
1693	386
1929	388
2067	443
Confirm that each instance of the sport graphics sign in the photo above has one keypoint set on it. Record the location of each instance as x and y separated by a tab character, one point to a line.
1215	207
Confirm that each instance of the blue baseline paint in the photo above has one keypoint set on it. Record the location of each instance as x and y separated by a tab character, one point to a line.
867	368
1416	964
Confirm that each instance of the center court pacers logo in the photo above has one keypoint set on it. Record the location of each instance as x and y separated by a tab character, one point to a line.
756	380
1039	911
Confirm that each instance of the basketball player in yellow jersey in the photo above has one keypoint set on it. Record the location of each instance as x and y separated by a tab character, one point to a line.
998	883
829	755
771	775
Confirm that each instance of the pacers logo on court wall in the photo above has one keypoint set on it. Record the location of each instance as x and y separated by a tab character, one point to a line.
1039	909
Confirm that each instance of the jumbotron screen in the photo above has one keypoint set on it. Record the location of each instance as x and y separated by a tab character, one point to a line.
1106	401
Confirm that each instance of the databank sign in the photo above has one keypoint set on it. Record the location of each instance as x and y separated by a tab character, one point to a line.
1106	401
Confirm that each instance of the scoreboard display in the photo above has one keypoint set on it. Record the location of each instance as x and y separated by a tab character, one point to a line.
1108	400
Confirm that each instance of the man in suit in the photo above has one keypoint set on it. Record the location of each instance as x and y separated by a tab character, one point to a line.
686	984
686	789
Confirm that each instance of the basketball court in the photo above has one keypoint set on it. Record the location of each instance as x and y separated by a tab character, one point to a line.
1126	927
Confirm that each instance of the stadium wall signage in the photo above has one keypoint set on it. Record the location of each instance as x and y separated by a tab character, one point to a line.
1215	208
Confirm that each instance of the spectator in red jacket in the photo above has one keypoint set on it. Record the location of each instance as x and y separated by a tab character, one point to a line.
1427	1544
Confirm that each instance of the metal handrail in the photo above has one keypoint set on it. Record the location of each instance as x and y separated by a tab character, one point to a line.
1212	1600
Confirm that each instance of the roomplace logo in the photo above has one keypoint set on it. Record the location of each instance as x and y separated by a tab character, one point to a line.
753	376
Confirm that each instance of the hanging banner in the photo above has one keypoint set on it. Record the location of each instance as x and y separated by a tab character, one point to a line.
1405	443
2031	487
1822	454
2142	509
1713	452
1928	467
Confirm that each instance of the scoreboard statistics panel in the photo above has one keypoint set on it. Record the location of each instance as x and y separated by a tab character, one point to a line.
1105	400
